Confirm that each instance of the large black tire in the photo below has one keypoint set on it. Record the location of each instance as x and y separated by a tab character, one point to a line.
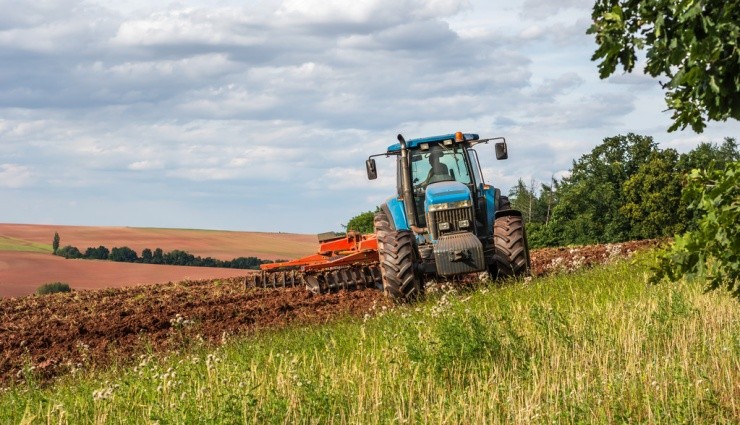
504	203
512	253
382	224
398	258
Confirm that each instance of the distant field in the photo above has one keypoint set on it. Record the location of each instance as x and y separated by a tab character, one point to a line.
13	244
26	261
220	244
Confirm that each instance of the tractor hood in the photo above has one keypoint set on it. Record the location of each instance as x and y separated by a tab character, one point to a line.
445	193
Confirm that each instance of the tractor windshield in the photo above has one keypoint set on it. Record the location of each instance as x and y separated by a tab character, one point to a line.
438	164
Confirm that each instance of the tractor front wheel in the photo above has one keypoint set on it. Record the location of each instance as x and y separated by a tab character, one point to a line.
512	253
398	259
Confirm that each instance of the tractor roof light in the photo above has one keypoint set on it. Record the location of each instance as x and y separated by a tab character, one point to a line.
459	137
447	142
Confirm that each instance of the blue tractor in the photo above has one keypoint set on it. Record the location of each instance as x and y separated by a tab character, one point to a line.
445	221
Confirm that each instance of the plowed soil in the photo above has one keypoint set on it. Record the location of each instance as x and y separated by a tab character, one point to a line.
21	273
55	334
26	261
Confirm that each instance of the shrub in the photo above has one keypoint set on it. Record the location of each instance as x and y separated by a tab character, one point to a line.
123	254
362	223
69	251
53	288
99	253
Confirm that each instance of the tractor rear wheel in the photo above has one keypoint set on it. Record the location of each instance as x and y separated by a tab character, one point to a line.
398	258
512	253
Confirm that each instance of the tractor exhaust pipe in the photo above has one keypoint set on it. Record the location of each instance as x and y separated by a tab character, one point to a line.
406	185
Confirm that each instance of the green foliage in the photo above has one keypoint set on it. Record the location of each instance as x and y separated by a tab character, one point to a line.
55	242
99	253
69	251
455	341
626	188
590	199
178	258
53	288
709	153
147	256
652	196
123	254
362	223
175	257
691	42
158	256
534	207
712	251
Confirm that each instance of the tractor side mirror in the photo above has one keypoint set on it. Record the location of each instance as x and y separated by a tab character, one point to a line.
501	152
372	172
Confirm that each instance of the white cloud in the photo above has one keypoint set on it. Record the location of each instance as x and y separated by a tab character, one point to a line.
368	11
146	165
14	176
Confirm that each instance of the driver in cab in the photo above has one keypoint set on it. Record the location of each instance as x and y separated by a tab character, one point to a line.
439	171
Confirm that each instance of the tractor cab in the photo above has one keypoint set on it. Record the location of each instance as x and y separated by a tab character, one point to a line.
444	174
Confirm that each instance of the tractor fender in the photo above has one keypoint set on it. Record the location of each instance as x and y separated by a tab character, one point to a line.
507	213
396	210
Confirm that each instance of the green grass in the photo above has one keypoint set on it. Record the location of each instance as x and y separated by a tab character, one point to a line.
598	346
13	244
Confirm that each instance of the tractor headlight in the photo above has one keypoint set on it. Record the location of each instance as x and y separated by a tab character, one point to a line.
444	226
463	224
450	205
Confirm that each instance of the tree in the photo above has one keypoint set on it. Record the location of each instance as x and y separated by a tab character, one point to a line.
589	200
178	258
523	198
712	251
362	223
123	254
691	42
55	243
157	256
146	256
709	155
652	198
69	251
99	253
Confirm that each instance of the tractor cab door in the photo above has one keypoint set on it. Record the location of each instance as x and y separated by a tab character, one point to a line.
484	205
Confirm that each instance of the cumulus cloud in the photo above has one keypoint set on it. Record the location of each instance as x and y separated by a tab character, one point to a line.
217	108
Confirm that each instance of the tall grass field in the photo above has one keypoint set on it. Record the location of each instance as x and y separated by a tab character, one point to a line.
596	346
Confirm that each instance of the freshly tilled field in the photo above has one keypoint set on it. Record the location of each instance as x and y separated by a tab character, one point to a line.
46	336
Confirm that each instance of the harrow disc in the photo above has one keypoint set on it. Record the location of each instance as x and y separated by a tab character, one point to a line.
319	282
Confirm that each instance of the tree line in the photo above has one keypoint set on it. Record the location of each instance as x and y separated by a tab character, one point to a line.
626	188
175	257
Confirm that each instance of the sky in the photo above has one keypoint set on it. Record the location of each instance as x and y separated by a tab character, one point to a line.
259	115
